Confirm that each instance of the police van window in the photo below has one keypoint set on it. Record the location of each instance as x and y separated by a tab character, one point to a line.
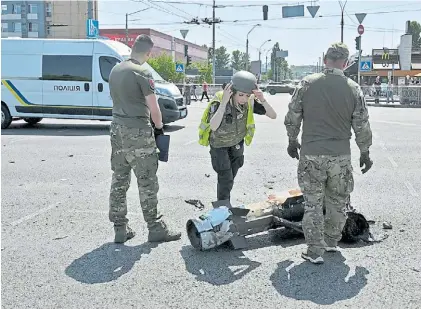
67	67
106	64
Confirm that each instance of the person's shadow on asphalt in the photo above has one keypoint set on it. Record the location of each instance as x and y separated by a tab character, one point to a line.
322	284
217	267
107	263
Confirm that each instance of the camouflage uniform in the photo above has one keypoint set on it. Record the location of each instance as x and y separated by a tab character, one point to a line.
187	93
328	104
134	148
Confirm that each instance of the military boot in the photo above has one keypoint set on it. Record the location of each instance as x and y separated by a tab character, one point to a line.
123	233
159	232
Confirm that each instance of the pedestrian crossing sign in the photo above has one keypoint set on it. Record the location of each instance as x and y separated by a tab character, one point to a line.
365	66
179	68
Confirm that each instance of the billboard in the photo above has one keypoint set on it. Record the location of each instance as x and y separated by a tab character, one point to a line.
255	67
385	59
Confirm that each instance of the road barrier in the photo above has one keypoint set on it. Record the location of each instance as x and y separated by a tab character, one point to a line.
212	89
404	94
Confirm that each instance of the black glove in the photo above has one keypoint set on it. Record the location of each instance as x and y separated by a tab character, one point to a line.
365	160
292	149
158	132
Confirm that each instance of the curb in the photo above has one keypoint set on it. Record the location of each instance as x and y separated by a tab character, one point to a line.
393	106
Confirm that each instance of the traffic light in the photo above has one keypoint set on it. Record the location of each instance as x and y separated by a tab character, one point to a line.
186	50
265	12
358	42
188	61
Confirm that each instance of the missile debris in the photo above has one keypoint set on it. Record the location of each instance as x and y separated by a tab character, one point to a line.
225	223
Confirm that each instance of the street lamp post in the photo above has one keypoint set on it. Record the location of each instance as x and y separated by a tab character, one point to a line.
127	23
247	45
267	60
260	52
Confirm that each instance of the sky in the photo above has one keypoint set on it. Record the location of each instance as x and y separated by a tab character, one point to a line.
305	38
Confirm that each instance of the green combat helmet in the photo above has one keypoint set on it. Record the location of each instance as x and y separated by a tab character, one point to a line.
244	81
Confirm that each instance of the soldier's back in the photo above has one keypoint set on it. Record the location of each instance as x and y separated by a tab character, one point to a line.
129	86
328	103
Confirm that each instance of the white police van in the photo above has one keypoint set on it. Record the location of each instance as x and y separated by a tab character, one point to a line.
68	79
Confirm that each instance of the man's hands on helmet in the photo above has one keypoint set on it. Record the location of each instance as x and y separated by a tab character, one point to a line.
365	161
292	149
227	94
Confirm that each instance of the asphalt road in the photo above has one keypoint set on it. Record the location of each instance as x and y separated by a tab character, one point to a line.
57	249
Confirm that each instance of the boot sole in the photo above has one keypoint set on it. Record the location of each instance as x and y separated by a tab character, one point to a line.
318	260
119	240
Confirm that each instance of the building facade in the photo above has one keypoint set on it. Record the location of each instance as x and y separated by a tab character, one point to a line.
162	43
47	19
394	64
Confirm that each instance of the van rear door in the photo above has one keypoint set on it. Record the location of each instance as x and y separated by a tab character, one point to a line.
67	79
103	104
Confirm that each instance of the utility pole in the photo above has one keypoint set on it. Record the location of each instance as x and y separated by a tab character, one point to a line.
342	27
342	20
127	23
213	42
212	22
90	9
127	29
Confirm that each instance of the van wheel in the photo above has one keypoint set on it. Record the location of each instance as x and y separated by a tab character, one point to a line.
6	119
32	120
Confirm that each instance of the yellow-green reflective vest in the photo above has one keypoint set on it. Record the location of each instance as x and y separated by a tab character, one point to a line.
205	130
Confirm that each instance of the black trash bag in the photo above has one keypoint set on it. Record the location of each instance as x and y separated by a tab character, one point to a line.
356	228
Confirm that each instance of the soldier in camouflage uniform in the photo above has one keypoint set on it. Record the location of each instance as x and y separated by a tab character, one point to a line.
329	104
133	144
228	123
187	92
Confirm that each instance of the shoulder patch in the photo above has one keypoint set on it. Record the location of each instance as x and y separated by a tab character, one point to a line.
151	84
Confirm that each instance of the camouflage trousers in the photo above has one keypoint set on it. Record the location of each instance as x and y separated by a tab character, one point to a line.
133	149
326	183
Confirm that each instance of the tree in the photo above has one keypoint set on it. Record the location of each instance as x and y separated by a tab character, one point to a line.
245	61
415	30
165	66
205	71
236	60
222	58
279	66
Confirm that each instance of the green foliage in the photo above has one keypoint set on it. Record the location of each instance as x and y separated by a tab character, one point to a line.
165	66
415	30
222	58
205	71
236	60
279	66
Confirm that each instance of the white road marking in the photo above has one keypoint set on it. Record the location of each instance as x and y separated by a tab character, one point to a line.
394	164
32	215
411	189
191	142
382	146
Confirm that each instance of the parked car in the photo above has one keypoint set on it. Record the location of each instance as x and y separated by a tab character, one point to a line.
280	87
68	79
